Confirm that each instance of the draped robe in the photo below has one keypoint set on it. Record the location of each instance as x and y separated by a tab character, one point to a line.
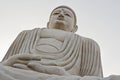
77	55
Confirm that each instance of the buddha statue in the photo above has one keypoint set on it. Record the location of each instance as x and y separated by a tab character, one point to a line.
55	51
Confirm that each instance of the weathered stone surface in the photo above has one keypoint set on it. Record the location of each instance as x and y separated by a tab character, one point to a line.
53	53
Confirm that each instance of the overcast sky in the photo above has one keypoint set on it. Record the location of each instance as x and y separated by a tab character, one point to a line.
96	19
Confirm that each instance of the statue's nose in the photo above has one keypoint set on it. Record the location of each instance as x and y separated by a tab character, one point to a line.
61	15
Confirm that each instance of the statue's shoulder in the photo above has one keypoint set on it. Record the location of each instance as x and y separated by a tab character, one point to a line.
34	29
86	40
29	31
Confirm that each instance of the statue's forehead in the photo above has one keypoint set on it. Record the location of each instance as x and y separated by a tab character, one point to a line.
63	9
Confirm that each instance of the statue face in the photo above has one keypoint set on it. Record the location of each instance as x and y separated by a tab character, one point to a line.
62	18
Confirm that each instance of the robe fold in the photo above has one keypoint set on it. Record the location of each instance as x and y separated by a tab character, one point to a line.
78	55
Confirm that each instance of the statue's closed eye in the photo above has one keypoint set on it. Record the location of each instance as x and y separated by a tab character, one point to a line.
55	13
67	15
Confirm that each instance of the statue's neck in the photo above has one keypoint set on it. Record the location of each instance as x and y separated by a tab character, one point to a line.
54	33
59	26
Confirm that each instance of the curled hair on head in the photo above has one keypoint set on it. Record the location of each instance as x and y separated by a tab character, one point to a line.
63	6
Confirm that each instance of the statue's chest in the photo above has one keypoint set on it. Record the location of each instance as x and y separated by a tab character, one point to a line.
50	40
48	45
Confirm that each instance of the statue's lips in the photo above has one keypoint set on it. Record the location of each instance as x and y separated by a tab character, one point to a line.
60	18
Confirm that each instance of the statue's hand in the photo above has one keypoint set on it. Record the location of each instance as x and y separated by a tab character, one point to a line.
21	66
35	65
20	59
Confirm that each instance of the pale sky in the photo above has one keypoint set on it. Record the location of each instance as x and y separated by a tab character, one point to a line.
96	19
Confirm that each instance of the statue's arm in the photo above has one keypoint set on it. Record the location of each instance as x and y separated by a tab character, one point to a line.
91	59
16	45
21	60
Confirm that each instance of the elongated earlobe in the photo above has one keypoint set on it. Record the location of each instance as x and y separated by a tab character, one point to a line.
48	25
75	28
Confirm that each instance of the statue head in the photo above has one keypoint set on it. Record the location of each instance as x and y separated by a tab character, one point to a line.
63	18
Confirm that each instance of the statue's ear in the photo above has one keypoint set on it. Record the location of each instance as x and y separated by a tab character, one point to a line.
75	28
48	25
